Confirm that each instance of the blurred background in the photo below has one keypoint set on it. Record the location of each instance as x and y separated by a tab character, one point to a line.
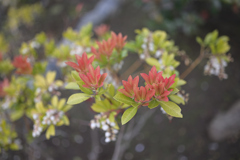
210	127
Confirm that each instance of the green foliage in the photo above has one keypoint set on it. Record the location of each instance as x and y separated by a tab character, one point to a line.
217	45
23	15
128	114
171	108
124	99
5	66
153	104
4	46
78	98
7	137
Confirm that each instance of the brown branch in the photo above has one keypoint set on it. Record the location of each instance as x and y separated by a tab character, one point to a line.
131	69
193	65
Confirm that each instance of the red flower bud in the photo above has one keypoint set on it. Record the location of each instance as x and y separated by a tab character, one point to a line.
22	65
83	63
93	79
153	77
161	92
101	30
105	48
129	86
119	40
143	94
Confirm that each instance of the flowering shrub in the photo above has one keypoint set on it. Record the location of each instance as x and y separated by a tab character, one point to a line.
26	93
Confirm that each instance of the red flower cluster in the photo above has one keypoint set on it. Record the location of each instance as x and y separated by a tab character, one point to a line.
83	63
156	86
106	47
22	65
101	30
3	84
119	40
92	78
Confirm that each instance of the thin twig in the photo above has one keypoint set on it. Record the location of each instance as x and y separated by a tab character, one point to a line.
117	149
131	69
193	65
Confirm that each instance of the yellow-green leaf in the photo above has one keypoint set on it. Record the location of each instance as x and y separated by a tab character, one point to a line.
50	131
72	85
177	99
153	104
78	98
128	114
153	62
54	101
171	108
50	77
124	99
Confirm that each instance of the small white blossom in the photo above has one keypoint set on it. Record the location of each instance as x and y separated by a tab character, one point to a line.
144	46
158	53
163	111
34	44
142	56
107	134
107	140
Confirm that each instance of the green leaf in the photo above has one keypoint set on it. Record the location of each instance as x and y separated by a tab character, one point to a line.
153	104
65	120
101	106
153	62
181	82
199	40
66	108
72	85
128	114
111	90
101	91
40	107
78	98
124	99
175	90
177	99
84	89
50	131
171	108
75	76
16	115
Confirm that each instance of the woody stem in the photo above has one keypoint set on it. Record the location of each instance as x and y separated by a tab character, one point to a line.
193	65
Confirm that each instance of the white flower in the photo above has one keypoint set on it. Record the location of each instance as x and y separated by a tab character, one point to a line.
158	53
25	51
142	56
34	44
107	140
151	47
163	111
105	127
107	134
144	46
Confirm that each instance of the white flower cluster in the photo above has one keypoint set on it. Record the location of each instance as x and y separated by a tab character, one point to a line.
8	101
37	128
53	88
34	44
216	66
118	66
101	121
147	46
183	95
52	116
79	50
